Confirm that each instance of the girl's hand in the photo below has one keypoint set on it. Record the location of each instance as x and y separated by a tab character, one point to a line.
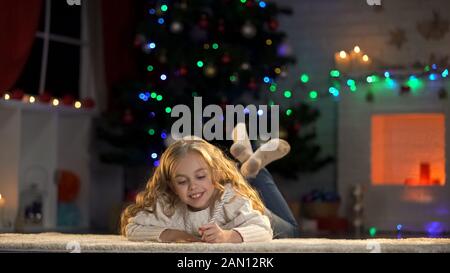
212	233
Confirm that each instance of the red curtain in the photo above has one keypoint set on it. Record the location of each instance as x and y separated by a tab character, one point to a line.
19	21
119	31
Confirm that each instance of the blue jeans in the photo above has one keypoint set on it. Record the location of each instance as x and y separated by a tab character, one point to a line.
283	222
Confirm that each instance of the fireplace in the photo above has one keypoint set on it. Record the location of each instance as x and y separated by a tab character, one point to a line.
396	147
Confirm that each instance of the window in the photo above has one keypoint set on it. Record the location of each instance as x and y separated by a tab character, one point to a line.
55	60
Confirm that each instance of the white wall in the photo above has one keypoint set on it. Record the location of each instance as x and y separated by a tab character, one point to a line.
319	28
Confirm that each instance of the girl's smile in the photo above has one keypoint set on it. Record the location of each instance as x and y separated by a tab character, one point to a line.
192	182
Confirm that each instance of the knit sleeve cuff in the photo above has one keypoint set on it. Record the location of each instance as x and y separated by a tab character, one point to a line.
254	233
145	233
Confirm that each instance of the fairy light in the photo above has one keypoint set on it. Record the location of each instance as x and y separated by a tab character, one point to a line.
343	54
287	94
268	42
77	104
7	96
32	99
357	49
313	95
55	102
277	70
365	58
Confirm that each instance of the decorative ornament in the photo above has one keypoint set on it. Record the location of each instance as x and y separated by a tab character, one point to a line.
248	30
68	186
283	133
226	58
68	100
139	40
45	97
245	66
434	29
252	84
284	49
203	23
183	71
273	24
397	37
221	27
358	209
176	27
210	71
17	94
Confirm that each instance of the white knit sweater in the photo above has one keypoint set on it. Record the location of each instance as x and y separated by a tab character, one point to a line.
236	214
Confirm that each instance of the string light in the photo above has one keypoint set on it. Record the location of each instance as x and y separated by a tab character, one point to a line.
200	64
159	98
365	58
156	163
387	74
55	102
161	21
266	79
7	96
215	46
164	8
151	132
304	78
77	104
163	77
32	99
432	77
262	4
335	73
154	155
268	42
373	231
343	54
150	68
168	110
273	88
287	94
288	112
357	49
277	70
152	11
445	73
313	95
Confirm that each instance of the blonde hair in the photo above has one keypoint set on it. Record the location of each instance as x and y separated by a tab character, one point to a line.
223	170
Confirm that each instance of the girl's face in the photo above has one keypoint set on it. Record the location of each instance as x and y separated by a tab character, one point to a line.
192	181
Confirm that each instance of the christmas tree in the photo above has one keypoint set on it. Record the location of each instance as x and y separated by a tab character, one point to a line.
219	50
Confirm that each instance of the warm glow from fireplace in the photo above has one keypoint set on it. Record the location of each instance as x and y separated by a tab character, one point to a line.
408	149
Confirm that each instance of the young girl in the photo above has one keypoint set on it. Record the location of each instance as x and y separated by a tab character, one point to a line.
198	194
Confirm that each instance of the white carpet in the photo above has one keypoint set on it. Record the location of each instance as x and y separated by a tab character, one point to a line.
56	242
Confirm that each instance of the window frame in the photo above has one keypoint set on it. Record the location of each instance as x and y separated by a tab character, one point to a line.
82	43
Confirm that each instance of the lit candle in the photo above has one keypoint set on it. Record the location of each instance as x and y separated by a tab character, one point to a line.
342	61
2	205
355	57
